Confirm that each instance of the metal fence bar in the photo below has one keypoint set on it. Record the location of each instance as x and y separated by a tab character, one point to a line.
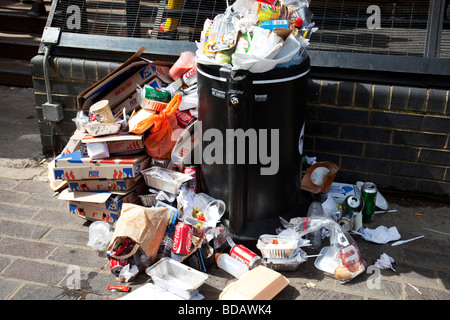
434	29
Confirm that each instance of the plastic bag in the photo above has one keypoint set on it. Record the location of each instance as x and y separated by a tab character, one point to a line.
258	65
350	261
224	32
100	234
159	143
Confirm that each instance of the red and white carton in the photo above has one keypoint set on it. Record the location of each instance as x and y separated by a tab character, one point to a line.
182	240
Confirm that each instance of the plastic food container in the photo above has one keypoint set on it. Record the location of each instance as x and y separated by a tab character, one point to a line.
164	179
291	264
148	200
272	246
176	277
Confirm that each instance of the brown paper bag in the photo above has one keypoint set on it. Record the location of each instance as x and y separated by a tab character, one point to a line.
146	226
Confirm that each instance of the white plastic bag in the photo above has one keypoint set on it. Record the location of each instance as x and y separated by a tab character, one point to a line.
259	65
100	235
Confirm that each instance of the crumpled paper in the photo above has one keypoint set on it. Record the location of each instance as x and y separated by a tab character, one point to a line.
381	234
385	262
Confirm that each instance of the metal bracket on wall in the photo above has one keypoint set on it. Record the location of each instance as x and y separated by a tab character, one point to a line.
51	111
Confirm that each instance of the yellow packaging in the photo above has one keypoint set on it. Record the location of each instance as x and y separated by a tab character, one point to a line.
267	12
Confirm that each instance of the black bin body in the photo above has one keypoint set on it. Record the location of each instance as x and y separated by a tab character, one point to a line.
268	102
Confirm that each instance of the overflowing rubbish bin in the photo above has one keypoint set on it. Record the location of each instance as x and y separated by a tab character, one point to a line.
261	117
133	164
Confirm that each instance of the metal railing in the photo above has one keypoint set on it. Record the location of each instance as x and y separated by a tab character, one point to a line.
412	37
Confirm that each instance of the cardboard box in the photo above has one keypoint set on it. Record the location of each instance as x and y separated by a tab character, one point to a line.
121	83
111	185
103	206
187	144
340	191
74	142
121	143
75	167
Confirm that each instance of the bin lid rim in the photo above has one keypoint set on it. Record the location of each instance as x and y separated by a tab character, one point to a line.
262	81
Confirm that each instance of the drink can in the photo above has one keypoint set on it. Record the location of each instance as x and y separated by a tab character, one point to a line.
369	194
346	223
352	203
184	118
116	265
245	256
194	183
182	239
190	77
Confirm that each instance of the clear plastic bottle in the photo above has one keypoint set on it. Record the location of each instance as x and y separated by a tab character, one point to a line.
229	264
315	211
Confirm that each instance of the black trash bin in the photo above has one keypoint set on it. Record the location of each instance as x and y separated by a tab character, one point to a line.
243	104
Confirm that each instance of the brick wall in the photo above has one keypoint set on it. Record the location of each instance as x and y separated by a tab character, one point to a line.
397	137
68	77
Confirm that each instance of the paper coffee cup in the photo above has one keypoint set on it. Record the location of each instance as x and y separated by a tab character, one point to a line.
102	111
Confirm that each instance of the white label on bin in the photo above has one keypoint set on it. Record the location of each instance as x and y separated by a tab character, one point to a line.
260	97
301	139
218	93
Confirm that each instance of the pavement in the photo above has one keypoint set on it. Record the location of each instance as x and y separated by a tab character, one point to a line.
43	247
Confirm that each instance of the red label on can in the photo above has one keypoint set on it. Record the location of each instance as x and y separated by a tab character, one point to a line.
245	256
183	238
183	118
116	265
194	183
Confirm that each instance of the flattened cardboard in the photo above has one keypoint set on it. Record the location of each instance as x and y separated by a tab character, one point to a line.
111	185
75	167
121	143
340	191
101	206
118	80
74	142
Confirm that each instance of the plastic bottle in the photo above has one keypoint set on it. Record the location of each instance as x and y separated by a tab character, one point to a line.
315	211
232	266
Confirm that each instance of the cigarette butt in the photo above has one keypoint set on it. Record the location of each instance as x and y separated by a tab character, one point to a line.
417	214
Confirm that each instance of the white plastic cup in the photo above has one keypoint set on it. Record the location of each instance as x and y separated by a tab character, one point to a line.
213	208
229	264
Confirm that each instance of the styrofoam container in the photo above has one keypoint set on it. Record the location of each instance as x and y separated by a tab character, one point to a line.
273	246
176	277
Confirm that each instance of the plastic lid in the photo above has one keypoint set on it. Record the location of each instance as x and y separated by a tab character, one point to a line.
217	255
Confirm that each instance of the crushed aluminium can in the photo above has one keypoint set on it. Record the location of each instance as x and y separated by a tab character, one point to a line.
245	256
369	194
